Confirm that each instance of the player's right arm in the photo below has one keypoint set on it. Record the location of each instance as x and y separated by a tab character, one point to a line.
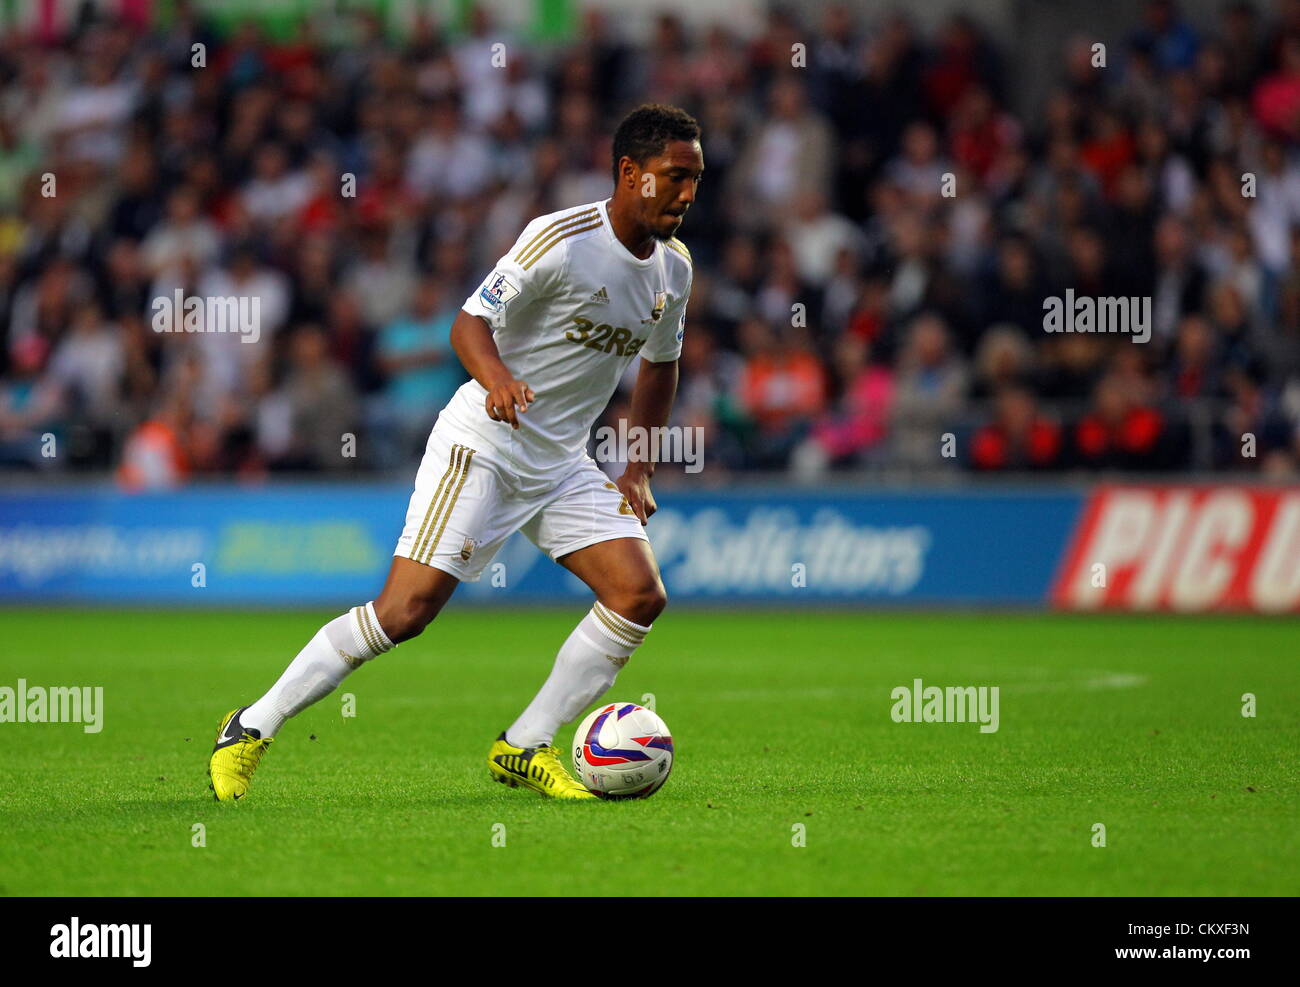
471	338
505	303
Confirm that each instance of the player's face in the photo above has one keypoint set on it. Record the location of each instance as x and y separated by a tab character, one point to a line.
676	174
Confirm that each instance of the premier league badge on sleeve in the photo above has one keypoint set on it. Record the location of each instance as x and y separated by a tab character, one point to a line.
497	291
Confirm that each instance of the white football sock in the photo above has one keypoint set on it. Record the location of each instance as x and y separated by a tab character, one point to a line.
584	670
344	644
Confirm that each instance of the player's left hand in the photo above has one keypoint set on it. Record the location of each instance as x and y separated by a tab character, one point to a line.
634	484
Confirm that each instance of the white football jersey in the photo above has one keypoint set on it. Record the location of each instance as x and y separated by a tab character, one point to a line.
570	307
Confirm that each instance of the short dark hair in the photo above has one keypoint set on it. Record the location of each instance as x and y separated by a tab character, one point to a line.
648	129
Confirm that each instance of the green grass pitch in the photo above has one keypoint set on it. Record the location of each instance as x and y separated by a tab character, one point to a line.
780	718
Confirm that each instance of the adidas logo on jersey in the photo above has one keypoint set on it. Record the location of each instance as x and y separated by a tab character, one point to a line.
601	297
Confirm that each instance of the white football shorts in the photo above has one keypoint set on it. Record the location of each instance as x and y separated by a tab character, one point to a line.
466	504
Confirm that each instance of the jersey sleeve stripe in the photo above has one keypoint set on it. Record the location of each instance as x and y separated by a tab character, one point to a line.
680	248
556	238
566	221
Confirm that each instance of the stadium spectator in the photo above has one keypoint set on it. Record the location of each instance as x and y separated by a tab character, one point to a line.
1004	358
707	398
184	235
929	392
1019	436
1165	33
1119	431
1254	434
420	371
790	153
321	406
1014	295
31	406
1195	370
156	455
782	388
817	238
858	421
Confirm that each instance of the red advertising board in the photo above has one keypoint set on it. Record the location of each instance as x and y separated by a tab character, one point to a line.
1184	549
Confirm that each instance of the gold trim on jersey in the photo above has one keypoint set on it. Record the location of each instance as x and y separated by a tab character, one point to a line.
537	242
681	249
562	235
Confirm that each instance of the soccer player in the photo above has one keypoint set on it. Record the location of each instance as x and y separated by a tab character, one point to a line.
545	338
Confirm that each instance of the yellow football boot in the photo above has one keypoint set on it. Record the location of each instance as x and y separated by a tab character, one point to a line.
235	757
538	768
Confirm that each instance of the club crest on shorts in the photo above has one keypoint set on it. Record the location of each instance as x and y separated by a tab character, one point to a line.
467	549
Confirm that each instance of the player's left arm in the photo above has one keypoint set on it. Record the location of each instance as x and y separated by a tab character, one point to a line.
652	402
652	399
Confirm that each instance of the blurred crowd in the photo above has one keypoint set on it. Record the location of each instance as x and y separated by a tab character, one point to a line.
873	240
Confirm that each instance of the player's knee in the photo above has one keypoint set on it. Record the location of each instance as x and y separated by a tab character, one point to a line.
404	617
642	603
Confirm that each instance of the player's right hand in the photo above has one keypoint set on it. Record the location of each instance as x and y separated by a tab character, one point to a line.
502	400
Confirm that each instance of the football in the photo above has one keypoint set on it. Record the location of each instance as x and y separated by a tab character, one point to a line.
623	751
